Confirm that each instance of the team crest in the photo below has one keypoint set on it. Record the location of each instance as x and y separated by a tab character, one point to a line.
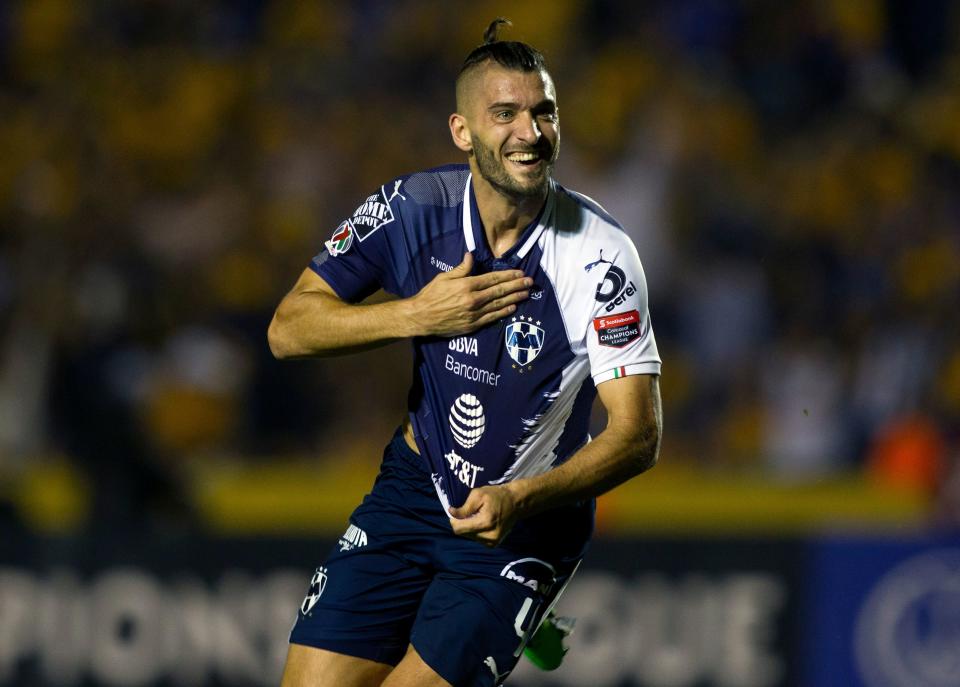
524	340
317	584
341	240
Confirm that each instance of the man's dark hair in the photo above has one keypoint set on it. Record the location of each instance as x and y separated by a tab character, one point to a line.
509	54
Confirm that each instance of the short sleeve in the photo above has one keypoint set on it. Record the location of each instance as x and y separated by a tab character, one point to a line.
356	260
620	339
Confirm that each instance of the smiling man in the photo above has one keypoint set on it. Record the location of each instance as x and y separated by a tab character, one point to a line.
524	300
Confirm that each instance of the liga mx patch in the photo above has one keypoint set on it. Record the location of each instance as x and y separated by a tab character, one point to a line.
618	330
341	240
372	214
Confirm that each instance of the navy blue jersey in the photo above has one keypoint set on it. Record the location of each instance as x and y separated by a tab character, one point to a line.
513	399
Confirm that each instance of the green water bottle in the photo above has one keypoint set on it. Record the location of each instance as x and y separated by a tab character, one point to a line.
545	649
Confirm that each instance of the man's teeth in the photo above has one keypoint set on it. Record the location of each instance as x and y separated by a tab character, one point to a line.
522	157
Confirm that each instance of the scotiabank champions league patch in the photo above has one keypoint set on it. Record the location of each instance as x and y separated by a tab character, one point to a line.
618	330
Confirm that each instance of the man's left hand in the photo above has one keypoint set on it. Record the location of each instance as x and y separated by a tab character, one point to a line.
487	515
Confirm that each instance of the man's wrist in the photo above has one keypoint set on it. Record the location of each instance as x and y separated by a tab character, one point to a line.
409	324
520	491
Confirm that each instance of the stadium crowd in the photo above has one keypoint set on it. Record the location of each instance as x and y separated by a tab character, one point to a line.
788	171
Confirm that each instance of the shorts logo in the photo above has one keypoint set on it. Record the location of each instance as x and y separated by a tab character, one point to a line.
372	214
341	240
524	340
618	330
317	584
534	573
491	663
467	421
353	538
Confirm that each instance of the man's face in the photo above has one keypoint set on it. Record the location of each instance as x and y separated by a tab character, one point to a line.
514	129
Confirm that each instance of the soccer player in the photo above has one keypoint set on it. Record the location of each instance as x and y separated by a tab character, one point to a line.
524	301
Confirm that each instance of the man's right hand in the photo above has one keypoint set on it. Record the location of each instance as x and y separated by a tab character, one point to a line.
455	303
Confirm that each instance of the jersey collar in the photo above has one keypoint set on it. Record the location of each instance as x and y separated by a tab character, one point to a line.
473	232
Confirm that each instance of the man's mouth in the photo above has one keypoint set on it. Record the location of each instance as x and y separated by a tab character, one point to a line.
526	159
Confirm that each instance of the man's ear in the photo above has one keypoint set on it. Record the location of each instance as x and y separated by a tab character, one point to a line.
460	133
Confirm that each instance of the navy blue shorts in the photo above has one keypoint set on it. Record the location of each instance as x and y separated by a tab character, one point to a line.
399	576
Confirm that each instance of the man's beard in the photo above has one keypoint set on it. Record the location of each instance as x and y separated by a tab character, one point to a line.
497	176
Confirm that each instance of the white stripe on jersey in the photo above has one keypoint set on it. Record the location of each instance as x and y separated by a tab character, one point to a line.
536	451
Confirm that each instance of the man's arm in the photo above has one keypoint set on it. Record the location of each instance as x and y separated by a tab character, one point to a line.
312	321
628	445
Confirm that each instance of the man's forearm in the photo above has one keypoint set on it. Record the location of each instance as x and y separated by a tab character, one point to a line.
316	324
312	321
613	457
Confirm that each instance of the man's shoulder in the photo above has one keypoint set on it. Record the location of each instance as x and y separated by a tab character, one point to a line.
442	186
574	202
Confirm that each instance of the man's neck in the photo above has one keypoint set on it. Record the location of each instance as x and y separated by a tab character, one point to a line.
504	218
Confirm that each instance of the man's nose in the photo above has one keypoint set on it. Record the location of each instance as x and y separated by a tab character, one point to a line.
527	129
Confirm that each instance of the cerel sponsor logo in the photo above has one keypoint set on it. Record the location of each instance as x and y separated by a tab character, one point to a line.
618	330
465	471
524	340
467	421
341	240
614	287
372	214
317	584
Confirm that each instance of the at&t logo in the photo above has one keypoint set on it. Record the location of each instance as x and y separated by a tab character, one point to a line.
467	421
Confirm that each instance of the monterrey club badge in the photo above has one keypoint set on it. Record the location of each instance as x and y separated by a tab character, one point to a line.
341	240
524	340
317	584
618	330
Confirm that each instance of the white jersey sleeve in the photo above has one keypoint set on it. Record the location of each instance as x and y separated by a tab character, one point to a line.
619	337
601	289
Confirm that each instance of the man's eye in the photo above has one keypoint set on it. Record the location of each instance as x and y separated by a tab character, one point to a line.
548	116
504	115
